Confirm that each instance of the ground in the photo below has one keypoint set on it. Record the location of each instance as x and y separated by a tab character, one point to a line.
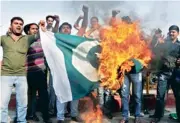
86	103
116	118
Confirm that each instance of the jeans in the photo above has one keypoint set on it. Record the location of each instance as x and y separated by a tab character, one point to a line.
176	91
108	102
100	91
52	97
21	88
61	109
162	87
37	81
136	80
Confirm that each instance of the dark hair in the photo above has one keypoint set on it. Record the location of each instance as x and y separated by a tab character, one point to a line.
27	27
65	23
127	19
95	18
174	27
17	18
49	16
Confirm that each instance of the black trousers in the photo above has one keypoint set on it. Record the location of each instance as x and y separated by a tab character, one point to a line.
176	90
37	81
164	80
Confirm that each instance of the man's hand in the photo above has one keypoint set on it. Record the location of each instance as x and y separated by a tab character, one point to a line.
42	25
81	17
9	30
56	18
115	12
161	39
85	9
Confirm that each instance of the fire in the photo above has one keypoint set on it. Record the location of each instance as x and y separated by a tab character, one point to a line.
119	45
94	116
92	113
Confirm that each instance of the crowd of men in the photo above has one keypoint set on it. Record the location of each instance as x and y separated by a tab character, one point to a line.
24	67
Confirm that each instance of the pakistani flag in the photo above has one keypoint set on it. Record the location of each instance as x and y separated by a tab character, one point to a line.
73	64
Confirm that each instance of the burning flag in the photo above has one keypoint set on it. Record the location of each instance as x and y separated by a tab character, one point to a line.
122	49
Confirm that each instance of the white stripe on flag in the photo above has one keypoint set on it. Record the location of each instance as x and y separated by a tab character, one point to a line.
56	63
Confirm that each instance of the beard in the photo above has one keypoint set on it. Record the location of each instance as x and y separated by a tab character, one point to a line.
17	33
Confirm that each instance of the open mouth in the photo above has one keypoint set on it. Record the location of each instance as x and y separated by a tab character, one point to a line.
19	29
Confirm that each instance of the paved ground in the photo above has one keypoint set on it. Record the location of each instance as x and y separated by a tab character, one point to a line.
116	118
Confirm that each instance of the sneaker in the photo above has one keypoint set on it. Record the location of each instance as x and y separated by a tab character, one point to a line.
52	115
34	118
77	119
108	115
60	121
146	111
155	120
67	115
152	116
123	121
141	114
47	121
137	120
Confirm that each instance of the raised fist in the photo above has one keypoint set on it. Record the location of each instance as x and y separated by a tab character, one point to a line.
115	12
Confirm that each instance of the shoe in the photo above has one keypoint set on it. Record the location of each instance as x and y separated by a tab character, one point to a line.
77	119
137	120
146	112
67	115
123	121
52	115
173	116
155	120
152	116
47	121
141	114
34	118
60	121
109	115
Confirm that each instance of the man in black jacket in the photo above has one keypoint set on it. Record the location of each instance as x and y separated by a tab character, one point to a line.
168	53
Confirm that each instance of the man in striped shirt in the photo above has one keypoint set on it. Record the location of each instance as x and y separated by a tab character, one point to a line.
36	77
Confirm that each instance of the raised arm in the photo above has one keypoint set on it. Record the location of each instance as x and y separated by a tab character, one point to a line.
83	27
113	20
56	18
76	25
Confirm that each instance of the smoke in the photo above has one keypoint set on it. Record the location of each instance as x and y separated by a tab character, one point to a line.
150	14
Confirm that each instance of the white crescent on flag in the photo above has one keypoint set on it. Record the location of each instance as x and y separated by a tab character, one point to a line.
82	65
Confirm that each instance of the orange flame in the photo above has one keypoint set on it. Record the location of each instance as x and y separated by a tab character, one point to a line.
92	114
119	45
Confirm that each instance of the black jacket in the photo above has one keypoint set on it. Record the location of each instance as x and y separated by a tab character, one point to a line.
170	53
165	56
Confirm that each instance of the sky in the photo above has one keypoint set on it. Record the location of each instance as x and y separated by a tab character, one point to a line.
151	14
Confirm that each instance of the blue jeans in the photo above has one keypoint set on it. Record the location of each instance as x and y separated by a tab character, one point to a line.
61	109
20	83
100	91
136	80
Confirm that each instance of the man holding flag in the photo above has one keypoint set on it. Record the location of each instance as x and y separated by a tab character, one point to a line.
71	60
